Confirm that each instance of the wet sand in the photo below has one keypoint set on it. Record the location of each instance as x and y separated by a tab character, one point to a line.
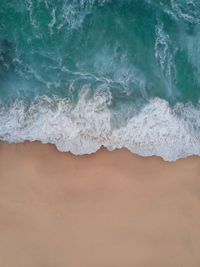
107	209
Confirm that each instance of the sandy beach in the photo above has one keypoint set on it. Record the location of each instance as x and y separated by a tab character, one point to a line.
108	209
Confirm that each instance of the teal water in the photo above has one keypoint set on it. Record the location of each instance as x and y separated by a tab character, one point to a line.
87	73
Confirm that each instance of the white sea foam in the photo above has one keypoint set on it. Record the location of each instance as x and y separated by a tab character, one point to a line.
84	128
164	54
75	11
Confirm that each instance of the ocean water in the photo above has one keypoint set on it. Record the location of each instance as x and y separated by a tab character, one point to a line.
82	74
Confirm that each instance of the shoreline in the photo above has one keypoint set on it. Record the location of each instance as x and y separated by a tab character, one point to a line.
110	208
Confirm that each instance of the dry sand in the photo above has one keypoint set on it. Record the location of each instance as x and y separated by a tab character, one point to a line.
108	209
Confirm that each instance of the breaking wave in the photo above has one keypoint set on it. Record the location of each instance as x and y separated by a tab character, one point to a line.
82	129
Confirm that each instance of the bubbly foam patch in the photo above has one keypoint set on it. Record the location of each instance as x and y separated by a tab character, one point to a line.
84	128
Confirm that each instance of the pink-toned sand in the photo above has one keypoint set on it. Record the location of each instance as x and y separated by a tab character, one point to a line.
109	209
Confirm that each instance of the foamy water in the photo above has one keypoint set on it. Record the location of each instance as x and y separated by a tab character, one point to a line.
83	129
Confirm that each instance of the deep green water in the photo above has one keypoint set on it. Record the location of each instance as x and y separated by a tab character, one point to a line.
75	73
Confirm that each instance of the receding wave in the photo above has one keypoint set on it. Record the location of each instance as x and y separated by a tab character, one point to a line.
84	128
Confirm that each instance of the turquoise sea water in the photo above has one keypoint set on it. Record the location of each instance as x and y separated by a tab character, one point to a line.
91	73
